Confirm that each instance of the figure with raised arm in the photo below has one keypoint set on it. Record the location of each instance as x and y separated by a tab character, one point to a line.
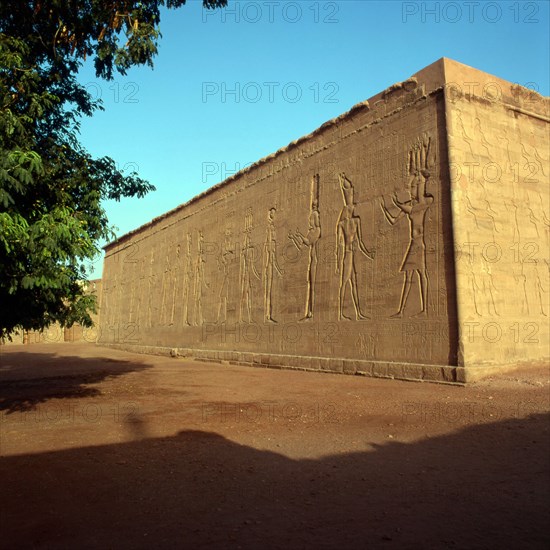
310	240
414	261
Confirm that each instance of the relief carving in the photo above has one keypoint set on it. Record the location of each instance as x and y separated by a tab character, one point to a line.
366	345
248	268
504	139
415	210
542	292
187	281
166	280
541	161
484	290
271	264
132	297
450	194
483	217
464	134
311	242
140	277
151	289
200	282
175	284
348	238
225	261
482	140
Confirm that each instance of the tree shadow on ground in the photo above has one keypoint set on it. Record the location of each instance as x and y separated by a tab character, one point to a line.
28	379
484	486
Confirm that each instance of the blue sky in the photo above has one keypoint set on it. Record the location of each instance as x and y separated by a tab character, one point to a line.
232	86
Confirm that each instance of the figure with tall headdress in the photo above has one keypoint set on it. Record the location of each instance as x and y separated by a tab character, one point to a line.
415	209
311	241
225	260
270	265
248	268
200	281
348	239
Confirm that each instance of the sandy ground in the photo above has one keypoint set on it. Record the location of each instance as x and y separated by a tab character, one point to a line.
107	449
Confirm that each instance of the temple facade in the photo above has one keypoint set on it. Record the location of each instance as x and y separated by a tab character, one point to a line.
407	238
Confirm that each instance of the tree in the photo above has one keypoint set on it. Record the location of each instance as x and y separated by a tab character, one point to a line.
51	218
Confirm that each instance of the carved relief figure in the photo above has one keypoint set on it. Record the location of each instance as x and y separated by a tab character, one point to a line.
542	292
175	278
483	288
481	138
140	279
540	161
520	290
415	210
348	238
483	218
133	290
150	289
115	297
105	298
504	138
466	138
225	260
200	281
166	277
188	281
270	264
248	268
311	241
415	256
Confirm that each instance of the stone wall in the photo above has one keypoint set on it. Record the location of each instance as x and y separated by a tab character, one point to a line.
498	149
338	251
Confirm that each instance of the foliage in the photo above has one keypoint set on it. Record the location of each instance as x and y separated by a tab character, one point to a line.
51	218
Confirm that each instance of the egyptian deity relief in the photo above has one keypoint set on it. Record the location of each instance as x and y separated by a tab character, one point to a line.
187	280
247	269
151	289
348	239
394	278
331	277
174	283
414	210
271	265
165	288
226	260
201	283
311	241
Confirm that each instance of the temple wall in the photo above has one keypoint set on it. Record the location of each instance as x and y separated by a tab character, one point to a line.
498	147
264	267
407	238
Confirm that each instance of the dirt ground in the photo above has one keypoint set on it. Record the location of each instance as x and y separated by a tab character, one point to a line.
107	449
